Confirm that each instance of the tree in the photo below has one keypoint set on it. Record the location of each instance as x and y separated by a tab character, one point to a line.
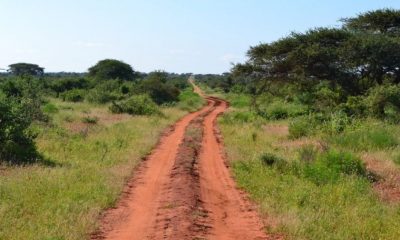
382	21
22	69
112	69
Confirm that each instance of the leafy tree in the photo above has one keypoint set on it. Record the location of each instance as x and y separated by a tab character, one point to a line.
22	69
156	86
112	69
383	21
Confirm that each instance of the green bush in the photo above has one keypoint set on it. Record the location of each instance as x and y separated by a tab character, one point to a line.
190	101
16	140
302	126
282	110
136	105
50	108
101	96
239	100
272	160
74	95
331	165
241	117
384	102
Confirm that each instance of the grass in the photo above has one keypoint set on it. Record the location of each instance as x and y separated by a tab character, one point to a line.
190	101
62	200
368	136
292	197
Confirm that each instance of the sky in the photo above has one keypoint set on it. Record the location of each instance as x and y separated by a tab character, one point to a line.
182	36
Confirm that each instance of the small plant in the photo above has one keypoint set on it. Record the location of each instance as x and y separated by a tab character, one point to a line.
308	153
299	127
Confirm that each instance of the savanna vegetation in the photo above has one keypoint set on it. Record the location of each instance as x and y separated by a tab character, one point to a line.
313	131
69	141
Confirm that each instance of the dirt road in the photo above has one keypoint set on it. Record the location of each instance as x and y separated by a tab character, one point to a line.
184	190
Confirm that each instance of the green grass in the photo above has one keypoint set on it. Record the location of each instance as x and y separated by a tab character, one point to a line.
84	173
190	101
368	136
295	202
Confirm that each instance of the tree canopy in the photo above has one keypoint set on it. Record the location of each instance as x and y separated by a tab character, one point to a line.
112	69
21	69
364	52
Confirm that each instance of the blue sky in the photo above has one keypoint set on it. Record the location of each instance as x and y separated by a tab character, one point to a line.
199	36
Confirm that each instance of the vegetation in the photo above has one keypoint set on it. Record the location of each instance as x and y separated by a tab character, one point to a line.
313	133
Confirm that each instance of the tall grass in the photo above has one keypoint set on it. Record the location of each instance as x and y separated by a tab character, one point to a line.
62	200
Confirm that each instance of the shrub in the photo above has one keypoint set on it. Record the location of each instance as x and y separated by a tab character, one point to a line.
100	96
74	95
308	153
384	102
190	101
239	100
354	106
50	108
331	165
282	110
270	159
301	127
136	105
241	117
16	141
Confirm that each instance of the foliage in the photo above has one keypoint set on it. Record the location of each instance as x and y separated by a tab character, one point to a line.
366	137
74	95
108	69
384	102
155	86
25	69
16	141
136	105
190	101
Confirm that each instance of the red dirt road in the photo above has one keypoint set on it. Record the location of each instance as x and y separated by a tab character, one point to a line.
184	190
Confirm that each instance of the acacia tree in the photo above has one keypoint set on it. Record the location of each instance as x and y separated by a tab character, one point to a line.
22	69
382	21
112	69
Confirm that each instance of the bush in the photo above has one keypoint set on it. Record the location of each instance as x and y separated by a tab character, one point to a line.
190	101
270	159
16	141
136	105
301	127
50	108
282	110
241	117
74	95
384	102
331	165
100	96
